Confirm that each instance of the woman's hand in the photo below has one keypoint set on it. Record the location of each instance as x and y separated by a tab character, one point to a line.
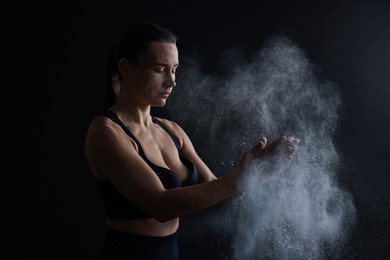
274	156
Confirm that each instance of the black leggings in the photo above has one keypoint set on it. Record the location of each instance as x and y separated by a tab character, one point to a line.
120	245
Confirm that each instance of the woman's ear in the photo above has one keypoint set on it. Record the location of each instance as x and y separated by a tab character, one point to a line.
116	84
123	67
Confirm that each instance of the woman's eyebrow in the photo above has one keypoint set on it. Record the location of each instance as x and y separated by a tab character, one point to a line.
164	64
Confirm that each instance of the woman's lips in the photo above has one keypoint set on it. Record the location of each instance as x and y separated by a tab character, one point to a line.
165	94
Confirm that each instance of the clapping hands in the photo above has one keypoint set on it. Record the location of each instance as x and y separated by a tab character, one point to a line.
274	156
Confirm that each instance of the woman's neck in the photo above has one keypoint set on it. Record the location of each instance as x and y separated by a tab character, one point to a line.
133	114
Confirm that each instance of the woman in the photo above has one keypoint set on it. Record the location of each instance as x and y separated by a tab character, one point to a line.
148	171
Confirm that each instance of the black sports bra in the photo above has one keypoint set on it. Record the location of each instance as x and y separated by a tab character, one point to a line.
116	205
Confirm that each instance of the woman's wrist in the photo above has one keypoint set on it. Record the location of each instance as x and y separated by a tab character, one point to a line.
236	178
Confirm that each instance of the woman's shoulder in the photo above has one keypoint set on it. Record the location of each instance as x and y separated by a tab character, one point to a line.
172	125
102	124
100	121
176	129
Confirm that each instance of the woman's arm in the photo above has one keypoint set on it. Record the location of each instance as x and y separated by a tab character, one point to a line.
111	152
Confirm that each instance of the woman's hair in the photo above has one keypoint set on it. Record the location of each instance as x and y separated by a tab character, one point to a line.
134	40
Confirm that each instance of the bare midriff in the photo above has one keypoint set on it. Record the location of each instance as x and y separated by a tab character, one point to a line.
146	227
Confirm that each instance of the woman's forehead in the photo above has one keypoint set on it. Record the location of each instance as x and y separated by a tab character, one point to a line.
162	52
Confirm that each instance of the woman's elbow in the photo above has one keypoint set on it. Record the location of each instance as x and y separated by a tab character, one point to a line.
164	209
165	217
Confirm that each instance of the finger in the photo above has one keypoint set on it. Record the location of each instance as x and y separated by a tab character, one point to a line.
293	140
289	158
293	144
263	142
292	149
272	147
260	145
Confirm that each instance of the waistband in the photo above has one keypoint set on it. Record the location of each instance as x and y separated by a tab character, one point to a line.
141	238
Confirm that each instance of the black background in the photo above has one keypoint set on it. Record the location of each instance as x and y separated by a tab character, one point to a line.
54	55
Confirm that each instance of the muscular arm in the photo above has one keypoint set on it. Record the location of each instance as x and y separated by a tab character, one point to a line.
113	154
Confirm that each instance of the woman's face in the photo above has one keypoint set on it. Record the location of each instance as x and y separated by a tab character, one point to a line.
152	78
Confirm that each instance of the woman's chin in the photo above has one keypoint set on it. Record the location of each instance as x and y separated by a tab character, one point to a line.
161	103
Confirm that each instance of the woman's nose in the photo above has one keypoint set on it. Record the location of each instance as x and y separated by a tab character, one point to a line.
170	81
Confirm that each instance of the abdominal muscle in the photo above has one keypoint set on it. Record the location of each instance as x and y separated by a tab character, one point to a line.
146	227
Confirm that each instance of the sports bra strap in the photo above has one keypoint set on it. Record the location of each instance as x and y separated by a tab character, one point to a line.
174	138
116	119
110	114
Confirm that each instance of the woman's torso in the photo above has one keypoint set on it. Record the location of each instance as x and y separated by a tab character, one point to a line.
159	148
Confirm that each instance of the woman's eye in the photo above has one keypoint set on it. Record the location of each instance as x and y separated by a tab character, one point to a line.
159	69
163	69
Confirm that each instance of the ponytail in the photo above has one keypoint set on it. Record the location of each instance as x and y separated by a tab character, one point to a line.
112	79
